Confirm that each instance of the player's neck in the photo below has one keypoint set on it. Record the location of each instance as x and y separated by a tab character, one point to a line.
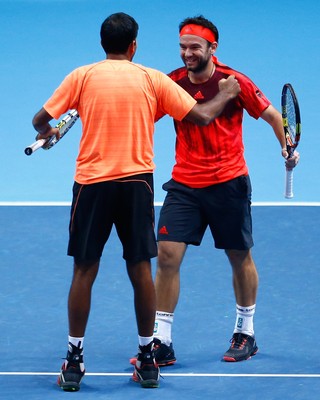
203	76
118	57
128	55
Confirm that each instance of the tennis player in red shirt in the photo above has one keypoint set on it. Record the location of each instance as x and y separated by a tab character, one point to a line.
210	187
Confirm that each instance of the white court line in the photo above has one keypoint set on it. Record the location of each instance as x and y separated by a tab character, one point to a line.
159	203
35	203
188	375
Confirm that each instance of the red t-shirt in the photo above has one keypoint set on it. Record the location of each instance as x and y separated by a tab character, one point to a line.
206	155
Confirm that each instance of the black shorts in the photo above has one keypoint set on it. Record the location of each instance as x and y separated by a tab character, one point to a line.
225	208
128	204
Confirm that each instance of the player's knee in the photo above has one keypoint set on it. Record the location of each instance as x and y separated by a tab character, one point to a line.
168	258
239	257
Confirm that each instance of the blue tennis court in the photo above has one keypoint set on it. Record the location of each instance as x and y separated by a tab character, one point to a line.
36	272
36	275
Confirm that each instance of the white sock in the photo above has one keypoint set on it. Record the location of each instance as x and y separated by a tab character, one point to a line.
244	320
76	341
145	340
162	326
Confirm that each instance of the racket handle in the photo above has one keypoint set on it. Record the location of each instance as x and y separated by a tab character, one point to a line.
289	184
34	146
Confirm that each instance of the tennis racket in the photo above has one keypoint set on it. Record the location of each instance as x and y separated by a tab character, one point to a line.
64	125
292	130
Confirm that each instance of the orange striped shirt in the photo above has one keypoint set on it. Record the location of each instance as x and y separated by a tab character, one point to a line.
117	101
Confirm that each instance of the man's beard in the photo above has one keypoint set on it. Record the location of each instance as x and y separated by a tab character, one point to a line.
203	63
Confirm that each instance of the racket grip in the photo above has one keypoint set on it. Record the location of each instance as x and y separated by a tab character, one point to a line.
289	184
34	146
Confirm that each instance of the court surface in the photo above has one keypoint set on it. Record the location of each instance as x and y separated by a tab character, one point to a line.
35	279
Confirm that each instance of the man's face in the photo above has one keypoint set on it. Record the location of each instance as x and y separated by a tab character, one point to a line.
195	52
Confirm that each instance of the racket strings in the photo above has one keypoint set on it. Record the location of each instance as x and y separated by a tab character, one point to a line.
291	118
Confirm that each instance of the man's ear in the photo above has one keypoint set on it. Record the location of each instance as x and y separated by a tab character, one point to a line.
214	47
132	49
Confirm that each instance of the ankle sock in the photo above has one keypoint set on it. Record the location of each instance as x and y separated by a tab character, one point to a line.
145	341
163	326
244	320
76	341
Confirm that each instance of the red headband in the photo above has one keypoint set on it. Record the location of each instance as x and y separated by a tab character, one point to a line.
198	30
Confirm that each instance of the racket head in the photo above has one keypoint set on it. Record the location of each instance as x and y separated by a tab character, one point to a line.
290	117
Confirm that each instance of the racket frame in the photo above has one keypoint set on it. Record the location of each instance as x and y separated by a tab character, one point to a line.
292	141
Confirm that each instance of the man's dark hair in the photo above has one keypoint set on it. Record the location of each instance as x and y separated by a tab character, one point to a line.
117	32
200	20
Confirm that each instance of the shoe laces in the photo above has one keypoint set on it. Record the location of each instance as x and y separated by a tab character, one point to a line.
238	341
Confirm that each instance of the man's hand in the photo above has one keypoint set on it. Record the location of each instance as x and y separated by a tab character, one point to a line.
41	124
230	87
292	161
48	134
204	113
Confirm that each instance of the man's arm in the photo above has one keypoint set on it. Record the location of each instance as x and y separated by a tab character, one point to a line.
274	119
203	114
41	124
